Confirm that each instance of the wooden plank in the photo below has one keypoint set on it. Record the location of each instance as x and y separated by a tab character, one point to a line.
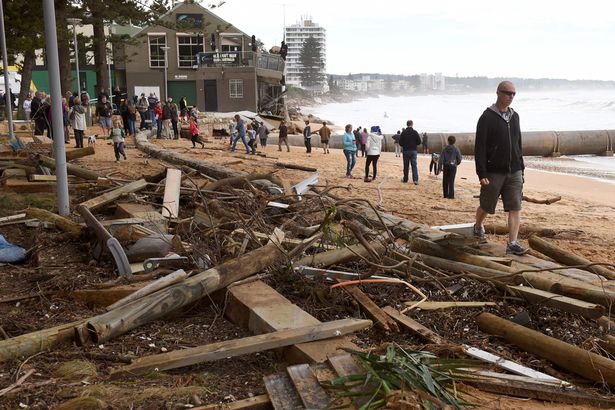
262	309
170	202
108	197
346	365
415	326
105	297
371	309
281	392
428	305
238	347
49	178
261	402
509	365
22	186
153	219
565	303
12	218
311	393
16	173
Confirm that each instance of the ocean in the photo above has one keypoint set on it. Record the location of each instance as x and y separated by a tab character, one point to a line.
552	110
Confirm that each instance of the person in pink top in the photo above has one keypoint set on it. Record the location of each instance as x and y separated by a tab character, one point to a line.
194	131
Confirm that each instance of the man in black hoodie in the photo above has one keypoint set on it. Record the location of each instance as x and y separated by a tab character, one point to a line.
409	140
499	164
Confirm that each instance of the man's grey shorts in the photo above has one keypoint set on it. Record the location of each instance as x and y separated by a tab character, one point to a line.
510	186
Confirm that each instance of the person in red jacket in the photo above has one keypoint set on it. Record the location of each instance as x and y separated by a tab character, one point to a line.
194	131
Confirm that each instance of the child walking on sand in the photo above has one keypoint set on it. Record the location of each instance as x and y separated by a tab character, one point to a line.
117	135
194	131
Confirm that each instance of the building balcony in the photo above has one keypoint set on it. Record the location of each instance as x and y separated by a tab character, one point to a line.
241	59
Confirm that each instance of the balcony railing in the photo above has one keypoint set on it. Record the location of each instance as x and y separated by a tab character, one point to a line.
240	59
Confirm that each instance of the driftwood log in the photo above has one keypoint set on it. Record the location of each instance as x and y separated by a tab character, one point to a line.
64	224
295	166
153	306
567	258
70	168
524	230
79	152
574	288
582	362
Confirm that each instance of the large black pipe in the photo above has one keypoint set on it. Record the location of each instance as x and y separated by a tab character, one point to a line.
535	143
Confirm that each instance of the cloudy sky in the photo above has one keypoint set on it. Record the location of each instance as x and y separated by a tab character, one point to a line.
532	38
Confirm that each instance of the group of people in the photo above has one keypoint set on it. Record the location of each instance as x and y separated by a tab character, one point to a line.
370	145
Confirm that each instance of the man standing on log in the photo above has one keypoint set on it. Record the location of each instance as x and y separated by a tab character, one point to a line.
499	164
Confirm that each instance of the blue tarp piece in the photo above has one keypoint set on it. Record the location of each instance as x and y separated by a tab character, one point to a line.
10	253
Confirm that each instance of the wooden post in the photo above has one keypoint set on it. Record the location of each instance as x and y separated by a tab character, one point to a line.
552	282
566	257
587	364
537	296
79	152
339	256
170	203
125	318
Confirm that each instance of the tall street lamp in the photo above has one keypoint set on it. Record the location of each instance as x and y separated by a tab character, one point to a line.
7	86
76	22
166	67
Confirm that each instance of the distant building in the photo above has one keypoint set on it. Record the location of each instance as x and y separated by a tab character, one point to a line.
295	35
432	82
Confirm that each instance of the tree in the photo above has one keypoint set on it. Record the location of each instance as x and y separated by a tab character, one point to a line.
311	63
24	28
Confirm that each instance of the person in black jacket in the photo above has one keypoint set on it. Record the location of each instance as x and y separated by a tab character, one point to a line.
450	158
499	164
409	140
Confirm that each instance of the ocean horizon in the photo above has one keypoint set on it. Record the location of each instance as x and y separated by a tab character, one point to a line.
544	110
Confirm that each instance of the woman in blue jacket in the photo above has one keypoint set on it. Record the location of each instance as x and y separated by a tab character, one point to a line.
349	144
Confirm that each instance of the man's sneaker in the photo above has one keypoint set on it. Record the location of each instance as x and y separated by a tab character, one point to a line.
515	248
478	231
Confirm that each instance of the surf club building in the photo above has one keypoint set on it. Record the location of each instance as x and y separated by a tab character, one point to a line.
192	52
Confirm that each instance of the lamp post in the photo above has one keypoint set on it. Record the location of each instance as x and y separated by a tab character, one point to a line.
7	86
166	66
109	66
76	22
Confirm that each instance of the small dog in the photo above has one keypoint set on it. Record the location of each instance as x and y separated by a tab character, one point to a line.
92	140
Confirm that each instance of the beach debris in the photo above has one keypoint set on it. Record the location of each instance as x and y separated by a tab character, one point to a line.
10	253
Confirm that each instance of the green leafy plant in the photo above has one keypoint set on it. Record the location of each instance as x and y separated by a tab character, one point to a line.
421	372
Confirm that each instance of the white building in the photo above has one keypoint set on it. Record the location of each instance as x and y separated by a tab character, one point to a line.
295	35
432	81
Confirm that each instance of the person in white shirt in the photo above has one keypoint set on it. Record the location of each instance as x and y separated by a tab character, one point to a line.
373	149
27	106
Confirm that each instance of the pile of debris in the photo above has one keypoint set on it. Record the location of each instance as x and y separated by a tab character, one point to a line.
301	267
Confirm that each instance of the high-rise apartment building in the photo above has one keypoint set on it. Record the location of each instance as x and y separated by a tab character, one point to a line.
295	35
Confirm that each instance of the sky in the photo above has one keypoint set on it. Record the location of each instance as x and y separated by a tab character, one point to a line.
522	38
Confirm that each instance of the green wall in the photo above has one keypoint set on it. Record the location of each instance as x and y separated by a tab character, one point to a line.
40	78
177	89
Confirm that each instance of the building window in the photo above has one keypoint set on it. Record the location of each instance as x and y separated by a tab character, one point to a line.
235	88
187	49
156	52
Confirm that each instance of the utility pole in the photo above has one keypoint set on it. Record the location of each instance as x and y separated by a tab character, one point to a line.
7	85
166	67
53	67
76	22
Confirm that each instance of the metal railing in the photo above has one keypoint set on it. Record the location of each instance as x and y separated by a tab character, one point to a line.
240	59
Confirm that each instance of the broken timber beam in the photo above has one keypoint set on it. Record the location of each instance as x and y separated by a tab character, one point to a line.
537	296
562	285
582	362
238	347
153	306
566	257
108	197
261	309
